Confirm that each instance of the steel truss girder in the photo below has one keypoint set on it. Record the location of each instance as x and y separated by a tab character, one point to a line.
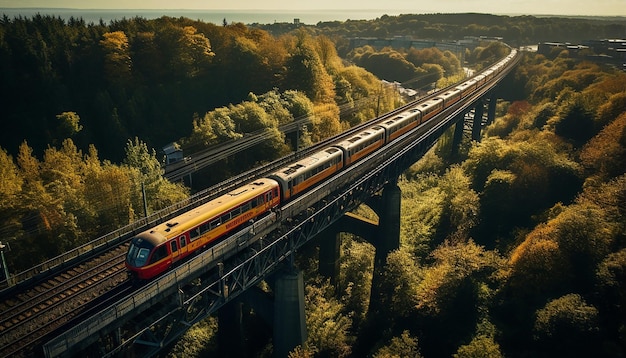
309	216
302	220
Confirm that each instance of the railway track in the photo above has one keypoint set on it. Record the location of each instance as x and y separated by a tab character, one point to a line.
29	316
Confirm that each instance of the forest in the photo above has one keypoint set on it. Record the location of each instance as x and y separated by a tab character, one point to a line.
515	30
515	247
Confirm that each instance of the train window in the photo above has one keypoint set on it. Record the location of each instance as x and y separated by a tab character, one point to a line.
174	246
159	254
183	241
194	233
225	218
204	228
138	256
254	203
235	212
215	223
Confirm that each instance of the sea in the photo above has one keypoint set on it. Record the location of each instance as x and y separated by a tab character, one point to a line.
308	17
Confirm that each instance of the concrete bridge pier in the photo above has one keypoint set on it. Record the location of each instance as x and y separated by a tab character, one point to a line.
230	334
491	108
478	120
388	239
330	243
289	317
458	134
389	221
330	255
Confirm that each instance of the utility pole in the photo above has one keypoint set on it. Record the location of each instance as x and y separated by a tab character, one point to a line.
145	200
4	263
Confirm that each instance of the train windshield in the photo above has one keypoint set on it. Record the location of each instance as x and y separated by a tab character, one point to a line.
138	252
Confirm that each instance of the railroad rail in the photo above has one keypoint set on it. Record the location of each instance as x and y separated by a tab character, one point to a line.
64	287
55	304
28	316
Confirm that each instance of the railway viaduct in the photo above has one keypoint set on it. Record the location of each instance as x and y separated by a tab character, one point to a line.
224	280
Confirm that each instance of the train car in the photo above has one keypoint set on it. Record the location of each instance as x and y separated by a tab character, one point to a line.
480	80
450	97
430	108
157	249
467	87
401	124
297	177
362	144
489	74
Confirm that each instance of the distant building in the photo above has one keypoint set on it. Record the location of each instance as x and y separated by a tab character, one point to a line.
407	42
604	51
545	48
173	153
606	45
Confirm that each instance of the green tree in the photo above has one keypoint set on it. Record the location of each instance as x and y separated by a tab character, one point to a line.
185	50
305	72
117	60
606	152
196	50
569	326
574	120
389	65
198	341
401	277
453	294
69	124
403	346
11	183
160	193
113	185
480	347
460	205
215	127
422	207
357	263
454	266
325	122
328	327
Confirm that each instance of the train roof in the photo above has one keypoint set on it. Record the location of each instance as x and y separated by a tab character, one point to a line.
155	238
307	162
194	217
366	134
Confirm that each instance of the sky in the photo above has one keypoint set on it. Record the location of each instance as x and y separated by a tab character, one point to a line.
528	7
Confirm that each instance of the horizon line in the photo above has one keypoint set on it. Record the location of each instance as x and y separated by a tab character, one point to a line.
403	11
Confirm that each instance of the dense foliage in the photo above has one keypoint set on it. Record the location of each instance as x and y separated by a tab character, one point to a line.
134	84
517	248
151	78
69	198
515	30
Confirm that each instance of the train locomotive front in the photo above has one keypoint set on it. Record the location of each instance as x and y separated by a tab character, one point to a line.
155	250
142	259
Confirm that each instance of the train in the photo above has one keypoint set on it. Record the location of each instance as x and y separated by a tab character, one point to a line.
157	249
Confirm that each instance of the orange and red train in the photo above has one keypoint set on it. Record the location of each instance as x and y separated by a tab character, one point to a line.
155	250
